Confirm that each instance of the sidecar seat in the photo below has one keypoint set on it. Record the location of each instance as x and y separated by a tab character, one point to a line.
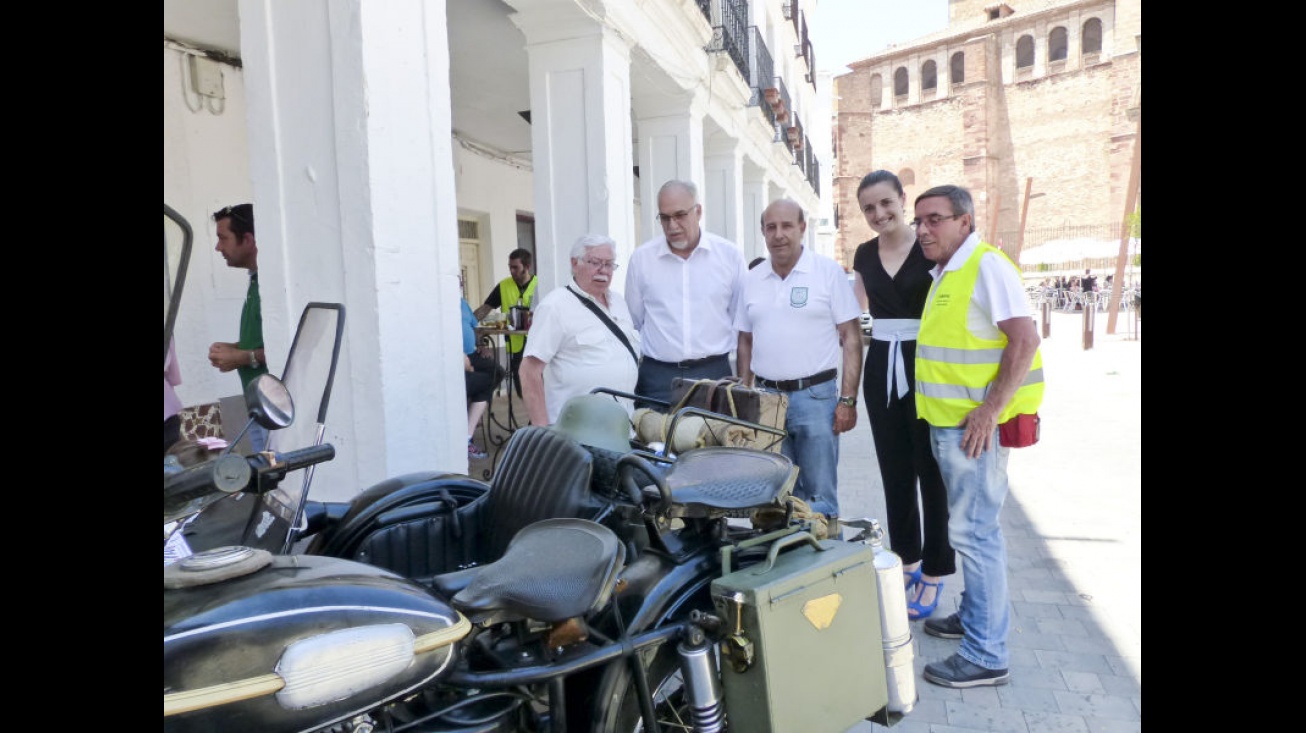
543	474
438	526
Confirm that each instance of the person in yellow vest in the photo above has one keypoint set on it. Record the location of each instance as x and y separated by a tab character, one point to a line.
518	289
977	365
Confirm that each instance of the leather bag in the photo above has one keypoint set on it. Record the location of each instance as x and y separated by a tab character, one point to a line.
730	397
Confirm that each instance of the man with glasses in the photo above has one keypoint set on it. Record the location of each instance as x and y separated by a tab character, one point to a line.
518	289
799	325
977	366
582	336
236	244
683	290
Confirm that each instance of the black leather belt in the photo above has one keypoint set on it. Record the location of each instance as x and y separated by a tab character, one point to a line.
689	363
793	385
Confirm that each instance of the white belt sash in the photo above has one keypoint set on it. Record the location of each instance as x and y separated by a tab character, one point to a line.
895	331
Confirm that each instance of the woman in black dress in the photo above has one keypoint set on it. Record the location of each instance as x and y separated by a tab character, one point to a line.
893	277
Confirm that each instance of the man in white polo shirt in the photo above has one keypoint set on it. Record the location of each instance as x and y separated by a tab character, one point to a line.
798	324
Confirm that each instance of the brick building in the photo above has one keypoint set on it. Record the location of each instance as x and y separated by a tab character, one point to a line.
1045	92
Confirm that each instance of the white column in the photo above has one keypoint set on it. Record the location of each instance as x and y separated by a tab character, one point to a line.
352	173
722	187
670	146
754	203
580	133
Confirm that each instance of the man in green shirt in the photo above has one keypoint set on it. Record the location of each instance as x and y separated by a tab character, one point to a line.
237	246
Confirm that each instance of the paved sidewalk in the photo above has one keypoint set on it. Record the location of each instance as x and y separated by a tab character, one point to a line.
1073	526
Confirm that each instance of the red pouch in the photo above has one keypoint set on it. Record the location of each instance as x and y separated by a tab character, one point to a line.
1020	431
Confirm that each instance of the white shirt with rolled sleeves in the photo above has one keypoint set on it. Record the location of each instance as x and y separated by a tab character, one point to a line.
999	292
579	351
795	321
685	308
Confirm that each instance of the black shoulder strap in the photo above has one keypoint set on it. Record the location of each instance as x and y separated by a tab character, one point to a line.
607	322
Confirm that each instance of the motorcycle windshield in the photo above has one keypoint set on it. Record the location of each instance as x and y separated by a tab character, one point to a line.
177	241
267	522
310	372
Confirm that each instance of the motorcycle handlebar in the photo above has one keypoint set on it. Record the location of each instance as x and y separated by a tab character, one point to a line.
231	473
227	474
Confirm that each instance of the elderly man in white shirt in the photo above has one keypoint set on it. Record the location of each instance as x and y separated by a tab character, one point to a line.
683	291
572	349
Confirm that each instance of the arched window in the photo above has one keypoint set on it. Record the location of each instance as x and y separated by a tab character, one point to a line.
1057	44
900	82
1092	36
877	91
957	68
907	177
1025	52
929	76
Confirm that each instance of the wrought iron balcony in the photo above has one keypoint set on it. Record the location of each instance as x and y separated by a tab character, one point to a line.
762	70
729	35
793	137
790	8
781	111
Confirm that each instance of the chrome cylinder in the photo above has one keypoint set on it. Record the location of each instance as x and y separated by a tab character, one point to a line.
702	685
895	627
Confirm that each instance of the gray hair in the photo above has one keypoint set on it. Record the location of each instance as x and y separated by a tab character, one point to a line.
683	185
958	197
590	241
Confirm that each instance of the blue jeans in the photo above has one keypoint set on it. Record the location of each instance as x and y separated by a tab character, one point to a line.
258	437
813	446
977	487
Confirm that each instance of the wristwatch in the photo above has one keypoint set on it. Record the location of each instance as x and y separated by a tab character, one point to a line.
849	401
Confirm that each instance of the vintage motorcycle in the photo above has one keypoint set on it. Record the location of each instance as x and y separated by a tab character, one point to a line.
591	586
706	625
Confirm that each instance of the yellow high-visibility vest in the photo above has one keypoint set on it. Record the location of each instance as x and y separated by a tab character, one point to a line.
509	293
954	368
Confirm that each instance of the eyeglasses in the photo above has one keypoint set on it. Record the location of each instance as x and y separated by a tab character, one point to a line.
230	211
600	264
679	216
932	220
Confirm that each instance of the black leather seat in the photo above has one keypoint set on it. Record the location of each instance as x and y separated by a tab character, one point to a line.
416	532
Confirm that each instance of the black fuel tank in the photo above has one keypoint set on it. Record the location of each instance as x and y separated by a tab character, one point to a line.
295	642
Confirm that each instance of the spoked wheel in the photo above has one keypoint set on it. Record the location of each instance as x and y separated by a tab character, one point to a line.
667	686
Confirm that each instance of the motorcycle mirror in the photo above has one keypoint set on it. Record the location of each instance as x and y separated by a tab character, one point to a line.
269	402
270	405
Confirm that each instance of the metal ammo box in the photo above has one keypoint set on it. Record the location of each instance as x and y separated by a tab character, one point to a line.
803	652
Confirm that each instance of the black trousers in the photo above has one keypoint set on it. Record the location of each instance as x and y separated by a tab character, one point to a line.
902	447
484	378
514	362
655	377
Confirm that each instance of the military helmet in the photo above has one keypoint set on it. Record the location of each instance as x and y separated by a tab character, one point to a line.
596	420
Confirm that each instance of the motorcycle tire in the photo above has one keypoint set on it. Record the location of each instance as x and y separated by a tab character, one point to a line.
665	683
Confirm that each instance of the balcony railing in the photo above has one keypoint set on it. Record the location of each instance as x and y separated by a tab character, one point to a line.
811	167
793	137
790	8
762	73
782	111
729	36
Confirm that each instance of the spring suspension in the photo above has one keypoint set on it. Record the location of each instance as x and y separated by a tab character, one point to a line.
702	683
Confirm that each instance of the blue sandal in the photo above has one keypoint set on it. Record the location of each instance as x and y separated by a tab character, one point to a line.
912	578
916	610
